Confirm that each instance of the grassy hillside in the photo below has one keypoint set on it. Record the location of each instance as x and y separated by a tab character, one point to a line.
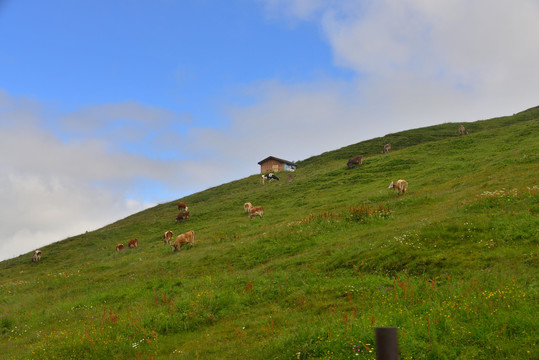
452	263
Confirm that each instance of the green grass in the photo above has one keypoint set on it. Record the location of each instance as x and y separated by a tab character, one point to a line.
452	263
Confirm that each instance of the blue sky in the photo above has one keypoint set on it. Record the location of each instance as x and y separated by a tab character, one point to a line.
109	107
173	54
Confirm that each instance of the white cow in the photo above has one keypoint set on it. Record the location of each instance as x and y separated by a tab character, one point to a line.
270	176
400	185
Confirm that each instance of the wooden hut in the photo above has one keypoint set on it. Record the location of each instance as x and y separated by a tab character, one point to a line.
273	164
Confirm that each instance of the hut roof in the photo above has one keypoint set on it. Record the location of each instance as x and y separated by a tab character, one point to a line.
274	158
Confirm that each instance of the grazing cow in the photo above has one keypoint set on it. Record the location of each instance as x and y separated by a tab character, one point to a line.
290	178
247	206
37	256
400	185
182	216
270	176
182	239
356	160
167	238
387	147
256	210
182	206
133	243
462	130
120	247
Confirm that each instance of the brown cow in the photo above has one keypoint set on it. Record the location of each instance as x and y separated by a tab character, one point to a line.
133	243
182	206
120	247
247	207
182	239
387	147
182	216
37	256
356	160
400	185
462	130
167	238
256	210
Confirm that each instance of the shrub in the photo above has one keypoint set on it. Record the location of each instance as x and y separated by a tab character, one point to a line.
363	212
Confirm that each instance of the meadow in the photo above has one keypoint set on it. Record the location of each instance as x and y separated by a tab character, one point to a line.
452	263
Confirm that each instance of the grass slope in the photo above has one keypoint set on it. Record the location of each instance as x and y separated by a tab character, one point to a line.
452	263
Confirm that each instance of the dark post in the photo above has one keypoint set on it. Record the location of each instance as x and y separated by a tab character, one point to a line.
386	343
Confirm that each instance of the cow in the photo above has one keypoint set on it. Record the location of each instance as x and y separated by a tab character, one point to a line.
182	239
167	237
400	185
387	147
270	176
182	206
37	256
356	160
120	247
182	216
247	206
256	210
290	178
462	130
133	243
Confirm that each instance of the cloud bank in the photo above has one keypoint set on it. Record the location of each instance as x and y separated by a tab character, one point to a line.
477	59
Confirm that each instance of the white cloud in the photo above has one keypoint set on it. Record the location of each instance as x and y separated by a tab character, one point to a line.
53	187
94	119
490	48
297	122
42	208
414	59
130	126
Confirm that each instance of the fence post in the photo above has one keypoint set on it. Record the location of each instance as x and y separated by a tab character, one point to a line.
386	343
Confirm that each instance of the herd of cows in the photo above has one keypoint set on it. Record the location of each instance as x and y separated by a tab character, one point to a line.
189	237
181	240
